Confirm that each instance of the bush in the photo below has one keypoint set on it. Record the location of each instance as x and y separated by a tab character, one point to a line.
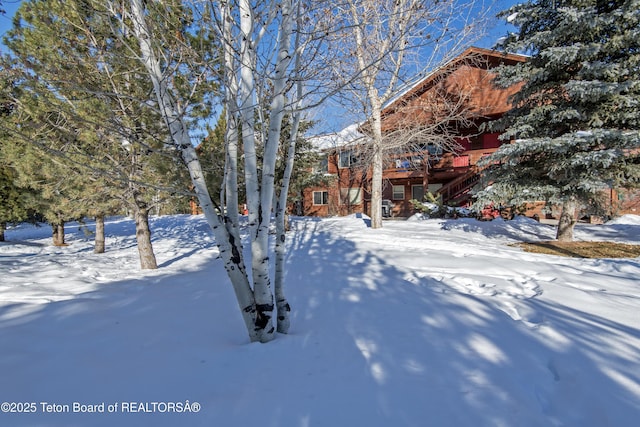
433	207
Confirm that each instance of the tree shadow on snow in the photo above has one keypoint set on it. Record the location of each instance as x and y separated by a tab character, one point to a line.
159	338
23	243
375	346
513	229
370	345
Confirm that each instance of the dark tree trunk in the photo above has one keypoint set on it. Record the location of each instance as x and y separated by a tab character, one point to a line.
58	234
143	237
99	246
3	227
567	221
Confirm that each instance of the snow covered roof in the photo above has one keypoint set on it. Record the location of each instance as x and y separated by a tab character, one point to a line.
348	136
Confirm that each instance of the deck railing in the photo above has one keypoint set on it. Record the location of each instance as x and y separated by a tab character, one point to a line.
459	187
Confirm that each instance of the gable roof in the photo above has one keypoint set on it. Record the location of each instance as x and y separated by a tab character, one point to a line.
472	67
469	73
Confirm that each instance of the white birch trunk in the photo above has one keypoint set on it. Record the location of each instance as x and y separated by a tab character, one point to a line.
259	210
376	166
283	309
257	302
262	287
230	183
230	250
247	107
369	74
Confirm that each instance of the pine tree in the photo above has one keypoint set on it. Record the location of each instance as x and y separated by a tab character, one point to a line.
87	102
575	122
14	200
211	152
12	209
48	186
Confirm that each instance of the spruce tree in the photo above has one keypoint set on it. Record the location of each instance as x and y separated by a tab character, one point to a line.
574	125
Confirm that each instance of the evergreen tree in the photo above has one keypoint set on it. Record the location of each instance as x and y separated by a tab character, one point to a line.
14	200
302	175
575	122
211	152
86	101
12	208
58	187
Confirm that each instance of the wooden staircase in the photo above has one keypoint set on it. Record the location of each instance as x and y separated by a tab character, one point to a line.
458	191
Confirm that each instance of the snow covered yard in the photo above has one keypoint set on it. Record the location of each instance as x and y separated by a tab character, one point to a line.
421	323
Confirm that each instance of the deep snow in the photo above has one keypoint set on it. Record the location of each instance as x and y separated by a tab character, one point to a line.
422	323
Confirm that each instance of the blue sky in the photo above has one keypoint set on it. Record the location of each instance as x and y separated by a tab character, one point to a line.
12	5
330	117
5	20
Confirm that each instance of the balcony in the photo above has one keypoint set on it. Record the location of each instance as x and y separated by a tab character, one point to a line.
404	167
446	166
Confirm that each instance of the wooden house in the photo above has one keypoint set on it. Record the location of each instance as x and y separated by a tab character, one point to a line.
447	169
347	177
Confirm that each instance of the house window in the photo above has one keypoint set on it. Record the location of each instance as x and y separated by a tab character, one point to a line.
322	166
433	188
320	197
347	158
417	192
351	196
398	192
